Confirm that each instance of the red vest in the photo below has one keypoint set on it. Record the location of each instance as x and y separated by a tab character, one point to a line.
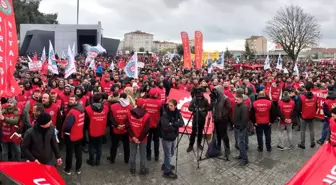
52	110
275	93
32	102
332	125
286	109
309	107
97	126
163	95
137	125
153	107
7	130
106	86
76	132
83	101
262	110
22	98
58	103
65	100
119	114
330	104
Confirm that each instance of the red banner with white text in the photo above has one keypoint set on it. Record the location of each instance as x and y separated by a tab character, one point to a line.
186	50
198	48
321	97
183	99
8	50
320	169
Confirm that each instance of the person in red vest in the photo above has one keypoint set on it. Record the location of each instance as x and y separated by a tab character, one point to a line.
54	98
152	106
328	105
9	121
83	100
119	133
73	134
96	119
183	86
52	109
286	112
331	136
22	97
137	126
28	110
275	93
262	115
65	97
106	83
307	107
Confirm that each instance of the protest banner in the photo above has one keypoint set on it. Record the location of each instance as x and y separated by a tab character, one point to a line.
35	65
186	50
320	169
183	100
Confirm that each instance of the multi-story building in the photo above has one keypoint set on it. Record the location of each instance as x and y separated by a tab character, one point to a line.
138	39
258	44
164	46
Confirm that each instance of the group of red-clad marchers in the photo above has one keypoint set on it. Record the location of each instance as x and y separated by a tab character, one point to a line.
53	112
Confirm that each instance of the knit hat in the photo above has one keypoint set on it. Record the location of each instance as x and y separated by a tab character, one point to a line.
12	100
43	119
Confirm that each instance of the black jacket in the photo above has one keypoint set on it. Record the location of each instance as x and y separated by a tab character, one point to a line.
240	118
169	123
34	146
203	108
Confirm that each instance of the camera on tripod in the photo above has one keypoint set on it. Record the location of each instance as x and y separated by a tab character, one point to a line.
198	93
214	96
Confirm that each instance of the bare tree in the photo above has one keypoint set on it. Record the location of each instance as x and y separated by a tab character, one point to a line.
294	30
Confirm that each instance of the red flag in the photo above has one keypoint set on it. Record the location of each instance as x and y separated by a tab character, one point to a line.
121	64
320	169
9	50
35	58
44	70
198	49
186	50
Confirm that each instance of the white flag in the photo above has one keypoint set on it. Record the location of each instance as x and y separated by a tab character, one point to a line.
237	60
112	66
52	66
279	63
131	68
267	64
43	56
296	69
71	67
285	71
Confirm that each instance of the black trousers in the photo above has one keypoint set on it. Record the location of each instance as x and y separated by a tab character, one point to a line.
95	147
70	148
154	134
221	127
197	129
266	129
115	139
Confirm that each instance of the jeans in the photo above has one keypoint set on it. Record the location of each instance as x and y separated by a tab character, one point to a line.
196	129
236	136
95	147
70	147
304	124
168	149
15	151
115	138
288	128
221	132
133	154
241	136
154	134
266	129
325	130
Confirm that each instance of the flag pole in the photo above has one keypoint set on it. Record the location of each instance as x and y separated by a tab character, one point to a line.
77	11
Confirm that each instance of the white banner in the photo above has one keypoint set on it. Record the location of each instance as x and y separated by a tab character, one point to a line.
35	66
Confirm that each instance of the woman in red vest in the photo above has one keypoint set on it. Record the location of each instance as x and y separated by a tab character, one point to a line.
331	137
286	113
137	125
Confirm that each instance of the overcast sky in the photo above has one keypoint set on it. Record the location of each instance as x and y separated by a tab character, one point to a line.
224	23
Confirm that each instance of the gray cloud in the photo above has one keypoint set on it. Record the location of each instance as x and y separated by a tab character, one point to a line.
220	21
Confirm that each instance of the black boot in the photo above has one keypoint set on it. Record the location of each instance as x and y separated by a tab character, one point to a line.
227	153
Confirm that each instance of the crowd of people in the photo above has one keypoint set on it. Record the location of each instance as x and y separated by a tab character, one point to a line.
75	114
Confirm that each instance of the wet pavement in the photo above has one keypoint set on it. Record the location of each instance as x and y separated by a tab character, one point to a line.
265	168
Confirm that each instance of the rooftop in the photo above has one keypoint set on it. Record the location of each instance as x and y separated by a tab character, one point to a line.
324	50
163	42
138	32
254	37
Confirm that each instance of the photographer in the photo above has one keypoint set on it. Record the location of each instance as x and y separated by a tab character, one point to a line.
222	109
199	105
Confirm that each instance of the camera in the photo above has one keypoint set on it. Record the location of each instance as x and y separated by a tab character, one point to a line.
198	93
214	96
